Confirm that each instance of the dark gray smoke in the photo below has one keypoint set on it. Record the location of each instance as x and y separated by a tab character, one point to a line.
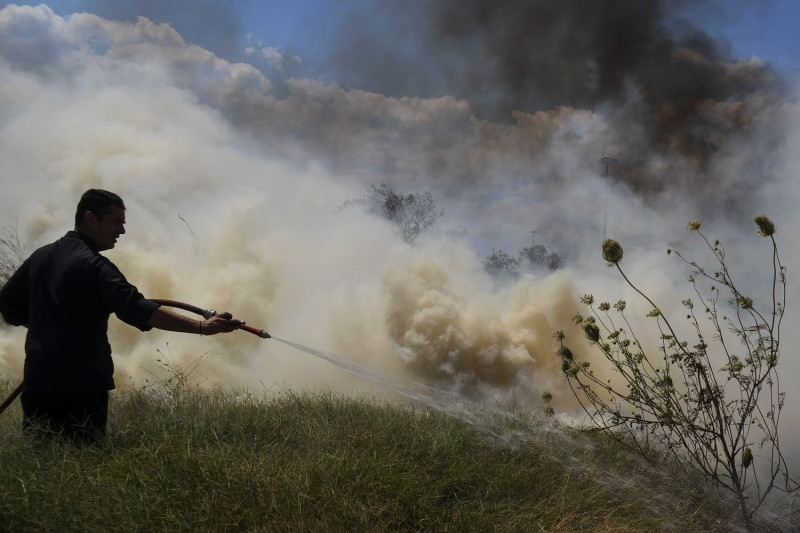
677	98
531	56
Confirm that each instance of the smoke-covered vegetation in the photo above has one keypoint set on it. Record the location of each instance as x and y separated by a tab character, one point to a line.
411	214
535	258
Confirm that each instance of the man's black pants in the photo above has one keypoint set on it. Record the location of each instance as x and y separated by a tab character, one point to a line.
77	416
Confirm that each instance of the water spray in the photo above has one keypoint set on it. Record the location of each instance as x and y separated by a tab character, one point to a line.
448	402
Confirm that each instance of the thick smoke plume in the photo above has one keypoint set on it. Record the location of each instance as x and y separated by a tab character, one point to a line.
217	218
233	187
676	105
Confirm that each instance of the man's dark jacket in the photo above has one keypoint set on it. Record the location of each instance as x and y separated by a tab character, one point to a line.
64	292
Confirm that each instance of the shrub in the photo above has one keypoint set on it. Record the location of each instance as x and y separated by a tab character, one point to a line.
720	421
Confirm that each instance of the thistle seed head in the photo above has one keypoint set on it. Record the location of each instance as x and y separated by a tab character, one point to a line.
592	331
612	251
747	457
565	353
765	226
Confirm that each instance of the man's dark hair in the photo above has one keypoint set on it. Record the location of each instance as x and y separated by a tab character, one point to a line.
98	202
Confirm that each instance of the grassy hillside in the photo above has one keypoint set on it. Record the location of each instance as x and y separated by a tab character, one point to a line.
218	461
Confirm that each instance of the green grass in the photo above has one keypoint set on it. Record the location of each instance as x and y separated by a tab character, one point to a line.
220	461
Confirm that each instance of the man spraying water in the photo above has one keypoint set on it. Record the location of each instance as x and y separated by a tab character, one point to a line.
64	294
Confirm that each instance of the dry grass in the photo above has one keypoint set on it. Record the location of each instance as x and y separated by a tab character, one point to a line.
221	461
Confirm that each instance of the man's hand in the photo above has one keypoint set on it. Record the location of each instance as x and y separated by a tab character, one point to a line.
163	318
219	323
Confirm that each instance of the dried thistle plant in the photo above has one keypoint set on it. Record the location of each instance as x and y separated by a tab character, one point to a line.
714	401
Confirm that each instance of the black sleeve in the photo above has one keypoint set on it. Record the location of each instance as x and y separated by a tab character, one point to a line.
15	298
124	299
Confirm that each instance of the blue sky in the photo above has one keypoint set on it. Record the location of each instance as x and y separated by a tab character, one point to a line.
767	29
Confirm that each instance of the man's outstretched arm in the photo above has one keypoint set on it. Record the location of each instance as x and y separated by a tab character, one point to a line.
220	323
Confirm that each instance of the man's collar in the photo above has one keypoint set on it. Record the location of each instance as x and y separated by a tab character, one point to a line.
72	234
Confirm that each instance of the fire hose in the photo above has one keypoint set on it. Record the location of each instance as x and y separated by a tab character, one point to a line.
208	313
205	313
11	398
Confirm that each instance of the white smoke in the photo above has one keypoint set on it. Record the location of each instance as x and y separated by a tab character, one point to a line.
211	219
